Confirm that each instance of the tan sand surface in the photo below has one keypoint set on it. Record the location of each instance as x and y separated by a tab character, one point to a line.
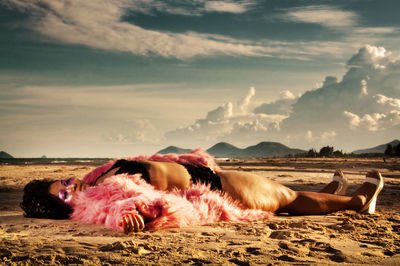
340	238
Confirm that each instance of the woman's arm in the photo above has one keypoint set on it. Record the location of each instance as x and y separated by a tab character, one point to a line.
110	172
103	177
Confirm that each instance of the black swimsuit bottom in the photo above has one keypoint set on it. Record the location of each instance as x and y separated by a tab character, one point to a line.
199	174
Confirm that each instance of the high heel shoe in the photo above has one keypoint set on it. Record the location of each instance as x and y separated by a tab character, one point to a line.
342	180
373	177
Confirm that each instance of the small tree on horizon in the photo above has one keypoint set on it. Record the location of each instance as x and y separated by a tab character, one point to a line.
326	151
389	150
312	153
396	150
338	153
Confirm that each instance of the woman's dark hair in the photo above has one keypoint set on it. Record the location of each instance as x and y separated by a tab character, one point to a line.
37	201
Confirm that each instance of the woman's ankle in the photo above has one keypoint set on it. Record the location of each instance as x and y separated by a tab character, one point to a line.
357	202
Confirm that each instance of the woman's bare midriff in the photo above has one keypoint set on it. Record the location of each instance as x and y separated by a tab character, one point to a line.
163	175
167	176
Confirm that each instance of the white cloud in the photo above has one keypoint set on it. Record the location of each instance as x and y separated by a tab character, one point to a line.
369	56
393	119
287	95
375	121
282	106
361	108
354	120
325	15
97	24
376	30
226	124
223	112
328	137
226	6
243	104
223	6
382	99
364	88
370	122
325	138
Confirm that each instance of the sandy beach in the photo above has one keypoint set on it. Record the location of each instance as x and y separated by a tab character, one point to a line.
340	238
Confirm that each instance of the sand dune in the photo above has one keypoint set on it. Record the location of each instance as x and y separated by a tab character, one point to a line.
342	237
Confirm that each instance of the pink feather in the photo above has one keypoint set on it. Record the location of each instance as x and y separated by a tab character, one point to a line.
119	195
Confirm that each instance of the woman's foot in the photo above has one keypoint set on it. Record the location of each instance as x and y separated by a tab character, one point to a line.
338	185
364	198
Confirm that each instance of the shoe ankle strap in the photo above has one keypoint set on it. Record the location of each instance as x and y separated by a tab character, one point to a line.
372	180
337	178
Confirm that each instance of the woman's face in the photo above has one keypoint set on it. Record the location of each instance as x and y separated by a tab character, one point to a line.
67	188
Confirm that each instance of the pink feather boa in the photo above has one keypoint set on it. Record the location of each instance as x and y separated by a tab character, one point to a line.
195	157
119	195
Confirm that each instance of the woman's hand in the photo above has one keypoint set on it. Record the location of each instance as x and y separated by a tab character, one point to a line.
132	223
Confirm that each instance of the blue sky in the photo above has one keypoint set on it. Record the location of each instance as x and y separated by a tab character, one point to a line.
124	77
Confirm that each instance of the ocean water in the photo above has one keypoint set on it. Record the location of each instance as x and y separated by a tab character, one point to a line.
59	161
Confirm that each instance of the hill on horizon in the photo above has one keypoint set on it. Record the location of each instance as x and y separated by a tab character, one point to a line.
269	149
224	149
174	149
378	149
5	155
261	150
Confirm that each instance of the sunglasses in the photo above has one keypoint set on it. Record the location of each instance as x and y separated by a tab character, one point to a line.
66	195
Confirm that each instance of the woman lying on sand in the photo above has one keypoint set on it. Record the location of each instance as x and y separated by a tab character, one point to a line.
173	190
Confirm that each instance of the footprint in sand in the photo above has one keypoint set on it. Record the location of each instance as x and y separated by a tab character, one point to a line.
5	253
286	258
289	246
254	251
196	261
112	247
281	234
333	254
239	262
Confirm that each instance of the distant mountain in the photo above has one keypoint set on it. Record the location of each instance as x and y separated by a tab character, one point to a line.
378	149
174	149
5	155
269	149
223	149
261	150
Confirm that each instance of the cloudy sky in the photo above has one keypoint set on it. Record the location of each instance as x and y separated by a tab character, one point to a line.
124	77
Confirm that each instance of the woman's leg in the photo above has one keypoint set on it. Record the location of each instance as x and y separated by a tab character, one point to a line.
322	203
254	191
338	185
319	203
261	193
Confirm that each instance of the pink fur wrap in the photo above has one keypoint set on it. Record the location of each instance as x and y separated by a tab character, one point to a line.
121	194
